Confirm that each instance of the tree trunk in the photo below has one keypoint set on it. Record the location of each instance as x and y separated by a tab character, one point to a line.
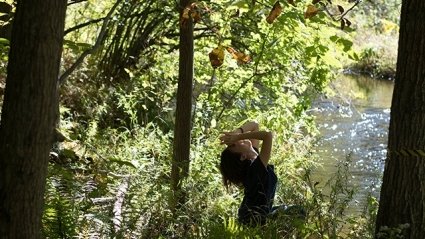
182	130
403	189
28	114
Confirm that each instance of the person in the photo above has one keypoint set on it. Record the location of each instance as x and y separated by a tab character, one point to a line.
244	164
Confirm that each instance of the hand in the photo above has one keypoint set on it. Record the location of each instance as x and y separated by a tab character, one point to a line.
229	138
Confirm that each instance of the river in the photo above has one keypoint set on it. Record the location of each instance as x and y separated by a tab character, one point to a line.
354	121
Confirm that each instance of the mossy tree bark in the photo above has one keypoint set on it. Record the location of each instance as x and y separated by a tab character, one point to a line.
182	130
28	114
402	199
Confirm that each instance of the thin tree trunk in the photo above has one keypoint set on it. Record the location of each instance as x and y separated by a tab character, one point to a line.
28	114
402	199
182	130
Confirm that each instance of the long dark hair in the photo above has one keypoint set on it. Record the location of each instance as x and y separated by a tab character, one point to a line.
232	168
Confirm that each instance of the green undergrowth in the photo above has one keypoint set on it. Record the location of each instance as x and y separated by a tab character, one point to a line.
115	183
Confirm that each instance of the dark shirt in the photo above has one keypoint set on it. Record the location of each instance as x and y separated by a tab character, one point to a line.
259	190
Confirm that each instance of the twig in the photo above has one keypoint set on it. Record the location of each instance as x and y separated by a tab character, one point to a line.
76	1
351	8
343	14
74	28
93	21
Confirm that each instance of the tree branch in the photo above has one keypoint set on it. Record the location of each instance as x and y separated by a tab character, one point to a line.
342	14
98	42
74	28
75	1
93	21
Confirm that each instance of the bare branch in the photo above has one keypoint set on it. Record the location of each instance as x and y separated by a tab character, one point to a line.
98	42
94	21
74	28
75	1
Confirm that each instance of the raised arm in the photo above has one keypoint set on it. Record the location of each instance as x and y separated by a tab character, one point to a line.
265	136
249	126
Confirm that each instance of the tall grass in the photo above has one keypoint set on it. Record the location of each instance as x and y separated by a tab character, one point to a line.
87	178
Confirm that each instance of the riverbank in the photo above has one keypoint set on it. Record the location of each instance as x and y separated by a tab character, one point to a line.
377	55
376	45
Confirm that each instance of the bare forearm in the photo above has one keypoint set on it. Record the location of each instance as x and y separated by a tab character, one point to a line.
249	126
260	135
266	137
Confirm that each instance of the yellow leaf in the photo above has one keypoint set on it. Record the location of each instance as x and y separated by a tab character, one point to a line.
186	11
216	57
195	12
191	10
241	57
311	11
274	13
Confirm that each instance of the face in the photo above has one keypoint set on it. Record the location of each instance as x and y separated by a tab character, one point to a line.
242	146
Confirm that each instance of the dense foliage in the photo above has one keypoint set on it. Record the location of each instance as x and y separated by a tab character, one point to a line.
110	177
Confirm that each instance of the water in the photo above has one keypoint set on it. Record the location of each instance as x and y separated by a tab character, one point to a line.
354	122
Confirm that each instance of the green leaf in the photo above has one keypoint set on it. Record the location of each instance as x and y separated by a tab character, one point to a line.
77	46
311	51
4	41
354	56
121	162
347	44
68	153
240	5
331	60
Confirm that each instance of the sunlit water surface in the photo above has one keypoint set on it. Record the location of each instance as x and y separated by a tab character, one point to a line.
354	122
